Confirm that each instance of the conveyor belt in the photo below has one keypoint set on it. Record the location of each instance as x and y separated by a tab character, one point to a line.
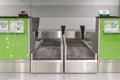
49	50
77	50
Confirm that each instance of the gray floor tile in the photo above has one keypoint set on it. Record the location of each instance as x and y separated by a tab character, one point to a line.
27	76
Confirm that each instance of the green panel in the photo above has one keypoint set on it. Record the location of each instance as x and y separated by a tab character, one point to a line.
14	46
109	42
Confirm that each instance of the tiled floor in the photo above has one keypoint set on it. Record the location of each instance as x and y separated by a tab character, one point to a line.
26	76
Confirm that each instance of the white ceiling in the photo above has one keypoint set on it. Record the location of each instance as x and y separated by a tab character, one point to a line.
59	2
14	2
75	2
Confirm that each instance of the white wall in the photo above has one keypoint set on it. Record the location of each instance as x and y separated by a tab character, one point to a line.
74	2
70	22
54	13
72	13
13	7
14	2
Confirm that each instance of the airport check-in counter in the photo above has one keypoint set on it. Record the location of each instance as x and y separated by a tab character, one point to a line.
14	44
55	52
17	41
79	55
107	43
63	53
48	56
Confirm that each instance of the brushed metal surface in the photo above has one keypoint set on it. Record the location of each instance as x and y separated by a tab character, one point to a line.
109	66
49	34
79	58
81	66
49	50
77	34
79	53
14	66
90	48
48	57
73	56
31	35
52	34
72	34
46	66
110	61
77	50
95	37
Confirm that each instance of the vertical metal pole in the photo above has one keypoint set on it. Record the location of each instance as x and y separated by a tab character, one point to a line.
63	31
82	27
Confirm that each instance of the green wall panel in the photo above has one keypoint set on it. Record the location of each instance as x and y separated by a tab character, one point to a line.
14	46
109	42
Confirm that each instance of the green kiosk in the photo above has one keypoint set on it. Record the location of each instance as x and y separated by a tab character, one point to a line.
108	43
14	44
